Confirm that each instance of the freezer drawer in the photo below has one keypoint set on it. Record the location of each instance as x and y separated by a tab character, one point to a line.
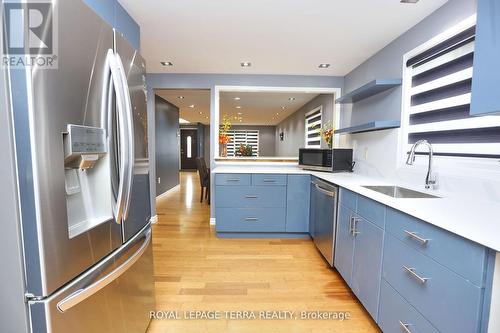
114	296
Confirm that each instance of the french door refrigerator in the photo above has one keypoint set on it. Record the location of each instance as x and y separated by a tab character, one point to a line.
82	163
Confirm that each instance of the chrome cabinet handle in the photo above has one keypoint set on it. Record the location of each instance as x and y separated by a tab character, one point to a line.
324	191
251	219
350	224
405	327
416	237
355	221
269	180
412	272
249	196
233	180
82	294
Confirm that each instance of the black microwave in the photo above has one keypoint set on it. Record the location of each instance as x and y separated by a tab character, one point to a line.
331	160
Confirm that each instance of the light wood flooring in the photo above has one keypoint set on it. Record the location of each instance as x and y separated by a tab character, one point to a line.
195	270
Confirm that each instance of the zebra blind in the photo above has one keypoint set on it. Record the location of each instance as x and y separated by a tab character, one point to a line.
243	137
313	128
439	99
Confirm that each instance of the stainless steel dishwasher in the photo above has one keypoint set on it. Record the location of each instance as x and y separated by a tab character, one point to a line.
323	217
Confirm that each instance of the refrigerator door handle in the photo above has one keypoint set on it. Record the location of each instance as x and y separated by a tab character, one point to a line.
117	85
130	136
82	294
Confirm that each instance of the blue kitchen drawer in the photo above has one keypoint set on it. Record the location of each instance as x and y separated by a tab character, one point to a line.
250	196
268	179
232	179
250	219
445	299
462	256
349	199
371	210
395	312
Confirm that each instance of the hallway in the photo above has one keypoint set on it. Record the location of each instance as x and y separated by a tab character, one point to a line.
195	270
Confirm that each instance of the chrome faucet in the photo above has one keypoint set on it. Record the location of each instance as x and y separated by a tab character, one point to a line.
431	178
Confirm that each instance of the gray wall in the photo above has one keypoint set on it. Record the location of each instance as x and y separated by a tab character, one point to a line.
167	145
294	126
206	143
388	63
209	81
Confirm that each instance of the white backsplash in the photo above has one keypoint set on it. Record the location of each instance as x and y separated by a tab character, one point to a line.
376	155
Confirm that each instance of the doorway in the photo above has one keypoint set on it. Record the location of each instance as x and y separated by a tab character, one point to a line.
189	148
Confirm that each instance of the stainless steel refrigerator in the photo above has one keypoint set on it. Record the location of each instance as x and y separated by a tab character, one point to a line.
83	179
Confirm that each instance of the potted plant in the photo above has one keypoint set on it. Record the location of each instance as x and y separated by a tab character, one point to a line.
245	150
327	134
224	137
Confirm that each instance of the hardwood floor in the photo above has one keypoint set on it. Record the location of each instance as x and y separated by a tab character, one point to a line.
195	270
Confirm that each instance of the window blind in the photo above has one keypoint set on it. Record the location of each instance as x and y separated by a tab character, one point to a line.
313	128
439	98
243	137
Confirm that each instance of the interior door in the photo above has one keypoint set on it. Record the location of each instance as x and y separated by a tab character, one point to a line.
71	94
139	211
189	148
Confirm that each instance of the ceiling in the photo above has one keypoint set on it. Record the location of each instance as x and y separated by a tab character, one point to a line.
277	37
252	108
261	108
200	113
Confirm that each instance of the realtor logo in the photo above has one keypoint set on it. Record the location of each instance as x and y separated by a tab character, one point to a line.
29	34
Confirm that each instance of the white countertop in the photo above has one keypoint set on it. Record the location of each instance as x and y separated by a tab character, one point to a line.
477	220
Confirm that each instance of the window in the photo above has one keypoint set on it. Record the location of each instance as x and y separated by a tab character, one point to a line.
437	93
243	137
313	128
188	145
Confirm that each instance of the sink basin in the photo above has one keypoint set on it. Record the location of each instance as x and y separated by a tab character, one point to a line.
399	192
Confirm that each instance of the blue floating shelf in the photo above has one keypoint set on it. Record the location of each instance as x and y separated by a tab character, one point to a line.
370	127
371	88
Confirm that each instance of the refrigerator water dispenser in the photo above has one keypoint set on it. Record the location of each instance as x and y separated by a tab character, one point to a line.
87	174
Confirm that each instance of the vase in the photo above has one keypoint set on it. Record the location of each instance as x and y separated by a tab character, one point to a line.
223	150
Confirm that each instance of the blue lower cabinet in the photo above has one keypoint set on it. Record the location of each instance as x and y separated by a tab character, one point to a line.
367	264
250	196
348	199
371	210
250	219
396	315
298	201
233	179
262	179
344	244
448	301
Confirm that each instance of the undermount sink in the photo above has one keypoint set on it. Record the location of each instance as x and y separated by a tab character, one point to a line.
399	192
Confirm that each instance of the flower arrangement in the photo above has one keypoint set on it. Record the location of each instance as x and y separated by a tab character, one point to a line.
224	137
245	150
327	134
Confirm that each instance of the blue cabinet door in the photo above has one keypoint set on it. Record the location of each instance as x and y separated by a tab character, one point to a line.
298	200
367	264
486	76
344	244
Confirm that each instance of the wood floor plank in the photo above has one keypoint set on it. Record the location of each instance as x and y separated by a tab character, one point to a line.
195	270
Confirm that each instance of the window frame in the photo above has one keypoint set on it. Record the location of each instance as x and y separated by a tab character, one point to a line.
455	164
316	109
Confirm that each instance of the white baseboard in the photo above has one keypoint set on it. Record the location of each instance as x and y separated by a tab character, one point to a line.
212	221
153	219
168	192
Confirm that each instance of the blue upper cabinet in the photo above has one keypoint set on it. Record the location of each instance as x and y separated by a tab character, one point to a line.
117	17
486	77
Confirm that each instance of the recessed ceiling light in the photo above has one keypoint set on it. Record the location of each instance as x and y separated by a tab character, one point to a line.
166	63
183	121
240	113
277	113
283	107
324	65
206	117
237	98
409	1
291	99
191	106
180	97
246	64
238	106
201	112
